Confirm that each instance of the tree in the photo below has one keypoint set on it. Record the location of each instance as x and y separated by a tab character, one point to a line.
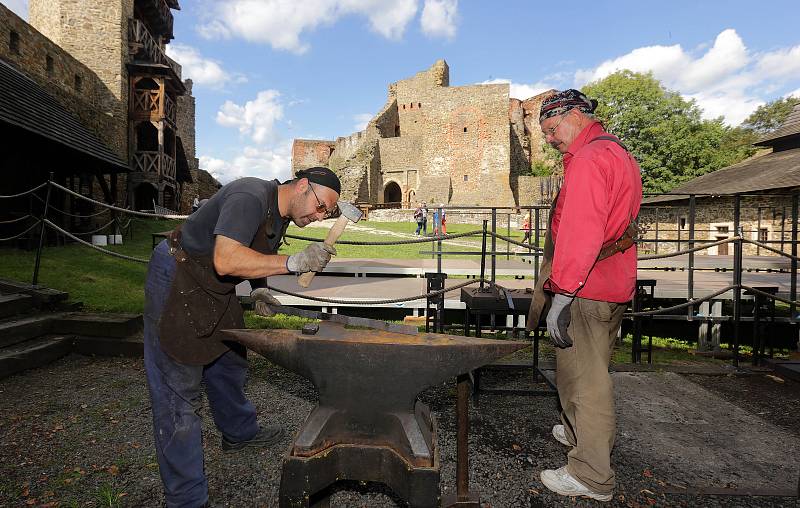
664	131
770	116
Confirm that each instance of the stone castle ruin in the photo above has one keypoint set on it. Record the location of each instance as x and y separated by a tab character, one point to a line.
464	145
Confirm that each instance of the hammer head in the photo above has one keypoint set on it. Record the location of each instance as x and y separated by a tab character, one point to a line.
348	210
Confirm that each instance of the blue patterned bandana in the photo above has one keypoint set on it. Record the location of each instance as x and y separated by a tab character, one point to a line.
561	102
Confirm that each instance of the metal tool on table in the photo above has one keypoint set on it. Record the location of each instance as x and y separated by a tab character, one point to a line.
369	424
349	213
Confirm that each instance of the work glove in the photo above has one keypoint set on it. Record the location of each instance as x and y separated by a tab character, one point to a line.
558	319
262	300
311	259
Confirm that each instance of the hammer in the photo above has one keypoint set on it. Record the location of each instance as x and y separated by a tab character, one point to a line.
348	213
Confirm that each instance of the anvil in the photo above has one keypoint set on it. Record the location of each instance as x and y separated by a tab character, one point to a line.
368	382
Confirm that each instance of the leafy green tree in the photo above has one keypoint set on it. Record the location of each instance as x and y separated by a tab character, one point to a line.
770	116
664	131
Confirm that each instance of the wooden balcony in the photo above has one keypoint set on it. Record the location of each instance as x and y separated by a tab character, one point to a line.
155	162
143	46
154	106
159	17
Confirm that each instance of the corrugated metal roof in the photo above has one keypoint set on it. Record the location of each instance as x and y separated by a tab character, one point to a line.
790	127
25	104
777	170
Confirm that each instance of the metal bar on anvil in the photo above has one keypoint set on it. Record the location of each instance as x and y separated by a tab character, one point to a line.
376	324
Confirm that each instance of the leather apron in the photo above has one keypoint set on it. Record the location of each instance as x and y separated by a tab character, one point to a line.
201	304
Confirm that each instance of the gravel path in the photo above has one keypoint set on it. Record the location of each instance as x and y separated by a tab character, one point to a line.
78	433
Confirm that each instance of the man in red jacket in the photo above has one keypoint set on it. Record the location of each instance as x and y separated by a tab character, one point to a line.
593	277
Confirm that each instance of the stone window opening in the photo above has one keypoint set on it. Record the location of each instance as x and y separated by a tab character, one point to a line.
682	222
465	129
13	42
78	83
763	235
411	106
466	178
49	65
419	105
404	106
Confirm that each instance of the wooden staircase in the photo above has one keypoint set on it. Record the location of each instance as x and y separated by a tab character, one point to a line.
39	326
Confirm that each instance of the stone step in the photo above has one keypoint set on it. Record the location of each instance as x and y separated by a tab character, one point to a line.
34	353
43	297
99	325
128	347
15	304
22	328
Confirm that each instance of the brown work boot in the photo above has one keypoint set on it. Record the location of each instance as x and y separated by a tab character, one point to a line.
266	436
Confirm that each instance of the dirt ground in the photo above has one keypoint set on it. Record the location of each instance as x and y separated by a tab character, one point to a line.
78	433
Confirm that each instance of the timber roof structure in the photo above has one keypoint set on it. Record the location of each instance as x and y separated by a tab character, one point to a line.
26	105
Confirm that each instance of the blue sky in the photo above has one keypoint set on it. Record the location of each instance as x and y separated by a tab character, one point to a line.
268	71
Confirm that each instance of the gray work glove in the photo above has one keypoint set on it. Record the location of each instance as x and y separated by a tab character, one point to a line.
262	300
311	259
558	319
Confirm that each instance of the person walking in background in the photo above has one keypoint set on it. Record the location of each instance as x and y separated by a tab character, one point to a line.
418	218
436	212
444	220
424	218
526	229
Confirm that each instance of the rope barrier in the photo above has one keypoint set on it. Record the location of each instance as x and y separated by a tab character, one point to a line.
98	229
95	247
17	236
51	207
112	207
687	251
24	193
693	301
398	242
515	242
12	221
774	297
773	249
377	302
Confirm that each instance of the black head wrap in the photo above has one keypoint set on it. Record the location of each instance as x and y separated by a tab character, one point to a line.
321	176
561	102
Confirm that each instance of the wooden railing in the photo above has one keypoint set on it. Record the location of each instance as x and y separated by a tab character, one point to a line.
143	45
146	103
154	162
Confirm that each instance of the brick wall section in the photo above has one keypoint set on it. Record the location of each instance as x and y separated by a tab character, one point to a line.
185	129
94	100
308	153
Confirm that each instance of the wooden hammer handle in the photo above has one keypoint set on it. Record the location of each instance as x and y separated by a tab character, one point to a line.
335	232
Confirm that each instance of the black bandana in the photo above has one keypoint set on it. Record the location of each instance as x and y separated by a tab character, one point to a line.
561	102
321	176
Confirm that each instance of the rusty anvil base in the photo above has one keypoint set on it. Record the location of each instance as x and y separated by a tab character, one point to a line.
368	382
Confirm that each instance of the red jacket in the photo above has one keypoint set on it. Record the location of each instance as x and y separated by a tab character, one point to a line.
602	192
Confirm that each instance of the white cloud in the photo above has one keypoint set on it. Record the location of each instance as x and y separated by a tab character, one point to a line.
726	79
280	23
202	71
267	163
520	91
439	18
18	7
362	119
796	94
255	118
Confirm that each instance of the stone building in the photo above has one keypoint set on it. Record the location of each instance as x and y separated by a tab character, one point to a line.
465	145
766	184
109	115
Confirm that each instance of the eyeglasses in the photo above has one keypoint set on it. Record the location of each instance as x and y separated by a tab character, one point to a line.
322	207
551	131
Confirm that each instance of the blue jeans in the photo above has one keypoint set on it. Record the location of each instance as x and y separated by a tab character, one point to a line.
419	228
176	398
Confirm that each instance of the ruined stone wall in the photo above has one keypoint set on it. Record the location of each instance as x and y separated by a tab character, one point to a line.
308	153
75	85
185	129
465	148
714	220
96	34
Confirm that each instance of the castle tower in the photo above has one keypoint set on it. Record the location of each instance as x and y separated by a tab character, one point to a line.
123	42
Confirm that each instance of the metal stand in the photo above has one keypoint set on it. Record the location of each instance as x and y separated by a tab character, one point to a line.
434	309
642	300
463	498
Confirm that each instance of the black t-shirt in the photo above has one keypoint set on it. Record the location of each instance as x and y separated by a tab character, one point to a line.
236	211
